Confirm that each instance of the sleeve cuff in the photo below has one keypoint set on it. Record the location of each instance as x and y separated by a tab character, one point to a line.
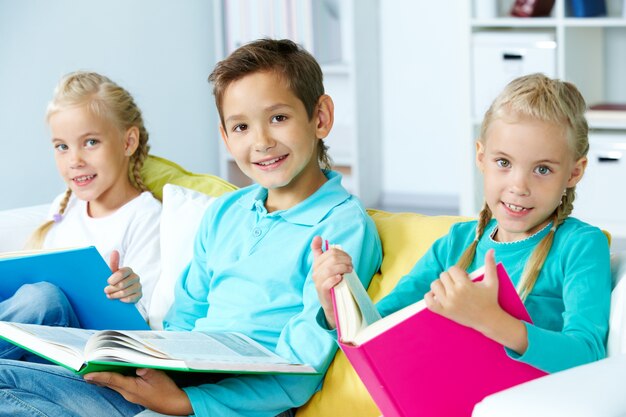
529	355
320	318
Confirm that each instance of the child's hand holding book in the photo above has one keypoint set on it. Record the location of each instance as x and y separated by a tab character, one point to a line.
455	296
124	283
328	268
152	388
475	304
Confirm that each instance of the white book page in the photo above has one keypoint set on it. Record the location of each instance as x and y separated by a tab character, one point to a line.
30	252
355	309
183	346
399	316
368	310
61	344
388	322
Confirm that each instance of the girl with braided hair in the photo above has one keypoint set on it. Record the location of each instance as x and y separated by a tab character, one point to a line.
100	144
532	152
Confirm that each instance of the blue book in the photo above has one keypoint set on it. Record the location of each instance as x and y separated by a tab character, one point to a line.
588	8
82	274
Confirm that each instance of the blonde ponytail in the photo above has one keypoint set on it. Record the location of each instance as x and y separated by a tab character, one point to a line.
139	157
467	257
538	257
36	239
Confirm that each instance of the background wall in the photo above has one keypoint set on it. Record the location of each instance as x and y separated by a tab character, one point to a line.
160	50
425	93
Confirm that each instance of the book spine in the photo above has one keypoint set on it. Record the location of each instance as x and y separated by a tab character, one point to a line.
588	8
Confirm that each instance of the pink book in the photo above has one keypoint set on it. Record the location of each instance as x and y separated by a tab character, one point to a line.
417	363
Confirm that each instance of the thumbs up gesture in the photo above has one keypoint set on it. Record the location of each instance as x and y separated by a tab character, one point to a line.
124	283
471	303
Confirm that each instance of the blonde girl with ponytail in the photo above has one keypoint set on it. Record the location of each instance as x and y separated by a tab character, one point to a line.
100	144
531	152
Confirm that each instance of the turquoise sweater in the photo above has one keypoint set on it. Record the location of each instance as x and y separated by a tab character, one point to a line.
569	304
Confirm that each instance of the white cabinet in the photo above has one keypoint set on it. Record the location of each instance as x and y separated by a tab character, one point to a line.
499	57
591	53
343	36
600	196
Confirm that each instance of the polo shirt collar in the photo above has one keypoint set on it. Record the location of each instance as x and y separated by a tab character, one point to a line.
308	212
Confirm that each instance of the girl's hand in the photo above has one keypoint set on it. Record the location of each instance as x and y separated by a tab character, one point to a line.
151	388
473	304
124	284
328	270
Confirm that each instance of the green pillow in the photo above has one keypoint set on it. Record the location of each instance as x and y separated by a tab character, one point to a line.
157	172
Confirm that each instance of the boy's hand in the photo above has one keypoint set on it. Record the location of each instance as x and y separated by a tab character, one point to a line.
328	270
124	284
473	304
151	388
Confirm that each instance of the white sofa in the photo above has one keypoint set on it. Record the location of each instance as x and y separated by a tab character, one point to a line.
16	225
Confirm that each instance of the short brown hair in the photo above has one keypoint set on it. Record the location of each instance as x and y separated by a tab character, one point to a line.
297	68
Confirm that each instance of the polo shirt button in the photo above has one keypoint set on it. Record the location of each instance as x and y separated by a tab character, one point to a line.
256	232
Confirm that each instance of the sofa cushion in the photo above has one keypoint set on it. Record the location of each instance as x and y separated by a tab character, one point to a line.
183	209
159	171
405	238
188	197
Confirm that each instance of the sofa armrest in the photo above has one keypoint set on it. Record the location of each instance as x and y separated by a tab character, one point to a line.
595	389
16	225
616	343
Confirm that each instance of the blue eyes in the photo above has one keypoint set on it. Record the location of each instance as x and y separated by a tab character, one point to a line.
88	143
541	169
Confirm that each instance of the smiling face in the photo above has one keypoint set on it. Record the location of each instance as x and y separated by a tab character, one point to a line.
526	164
92	158
273	141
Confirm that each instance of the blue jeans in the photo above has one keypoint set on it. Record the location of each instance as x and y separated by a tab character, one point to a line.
40	303
34	389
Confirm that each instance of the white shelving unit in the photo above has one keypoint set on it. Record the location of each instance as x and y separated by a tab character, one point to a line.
591	53
343	36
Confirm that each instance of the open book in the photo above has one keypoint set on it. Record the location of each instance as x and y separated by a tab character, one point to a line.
417	363
82	274
84	351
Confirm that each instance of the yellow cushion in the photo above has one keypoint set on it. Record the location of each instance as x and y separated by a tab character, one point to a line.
405	238
159	171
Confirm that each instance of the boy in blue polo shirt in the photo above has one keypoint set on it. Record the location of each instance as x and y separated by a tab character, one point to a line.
251	269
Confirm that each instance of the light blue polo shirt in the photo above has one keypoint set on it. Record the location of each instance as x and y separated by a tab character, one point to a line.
251	273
